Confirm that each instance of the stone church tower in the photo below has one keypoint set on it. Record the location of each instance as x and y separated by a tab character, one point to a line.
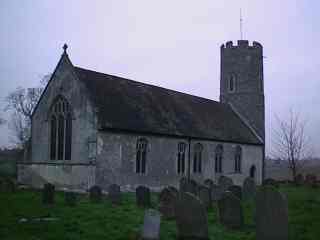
241	83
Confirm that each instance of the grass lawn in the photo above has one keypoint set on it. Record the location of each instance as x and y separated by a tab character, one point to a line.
105	221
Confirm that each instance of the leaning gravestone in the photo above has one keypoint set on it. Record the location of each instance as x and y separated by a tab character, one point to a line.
236	190
249	189
225	182
151	225
271	215
230	211
191	217
70	199
216	192
114	193
205	196
143	196
48	194
95	194
167	200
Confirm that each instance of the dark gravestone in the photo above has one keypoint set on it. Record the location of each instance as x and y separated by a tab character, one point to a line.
48	193
225	182
143	196
191	187
299	179
182	184
167	200
236	190
191	217
173	189
70	199
95	194
151	225
205	196
7	185
271	215
114	193
271	182
208	182
230	211
216	192
249	189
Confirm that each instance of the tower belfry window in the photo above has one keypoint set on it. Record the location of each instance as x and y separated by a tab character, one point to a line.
60	130
232	83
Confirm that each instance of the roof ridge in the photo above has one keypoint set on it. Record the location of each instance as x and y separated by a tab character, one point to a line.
151	85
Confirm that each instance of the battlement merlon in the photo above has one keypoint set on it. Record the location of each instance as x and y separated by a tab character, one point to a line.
241	44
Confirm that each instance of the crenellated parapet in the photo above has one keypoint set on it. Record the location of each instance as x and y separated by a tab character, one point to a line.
241	44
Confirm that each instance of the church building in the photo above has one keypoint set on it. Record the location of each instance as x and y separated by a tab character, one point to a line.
91	128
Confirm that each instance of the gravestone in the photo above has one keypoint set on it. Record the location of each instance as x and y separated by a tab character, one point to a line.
271	182
299	179
167	200
225	182
230	211
271	214
236	190
191	217
151	225
114	193
208	182
70	199
95	194
311	180
48	193
7	185
143	196
216	192
173	189
191	187
249	189
182	184
205	196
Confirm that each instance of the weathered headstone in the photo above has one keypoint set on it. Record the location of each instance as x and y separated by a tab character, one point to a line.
230	211
249	188
151	225
48	193
205	196
236	190
216	192
114	193
143	196
271	214
191	217
70	199
208	182
271	182
95	194
167	200
225	182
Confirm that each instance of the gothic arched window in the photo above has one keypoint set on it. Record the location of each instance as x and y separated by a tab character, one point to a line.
237	159
218	159
60	130
197	158
232	83
141	156
181	158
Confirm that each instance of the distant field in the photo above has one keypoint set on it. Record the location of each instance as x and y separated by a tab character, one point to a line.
104	221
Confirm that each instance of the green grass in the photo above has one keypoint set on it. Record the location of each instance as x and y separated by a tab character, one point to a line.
105	221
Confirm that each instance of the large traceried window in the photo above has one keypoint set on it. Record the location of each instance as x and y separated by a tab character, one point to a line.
197	158
181	158
237	159
60	130
218	159
141	156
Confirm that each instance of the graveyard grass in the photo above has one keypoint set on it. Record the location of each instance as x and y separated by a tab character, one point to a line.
104	221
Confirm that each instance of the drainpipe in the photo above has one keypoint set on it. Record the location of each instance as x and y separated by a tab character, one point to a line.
189	141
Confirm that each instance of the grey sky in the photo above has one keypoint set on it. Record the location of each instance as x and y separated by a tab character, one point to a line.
173	44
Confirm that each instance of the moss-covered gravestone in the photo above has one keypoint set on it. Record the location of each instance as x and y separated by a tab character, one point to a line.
48	193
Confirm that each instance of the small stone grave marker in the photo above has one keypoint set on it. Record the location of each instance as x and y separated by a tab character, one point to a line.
143	196
151	225
167	200
114	193
70	199
225	182
205	196
249	189
48	192
216	192
95	194
236	190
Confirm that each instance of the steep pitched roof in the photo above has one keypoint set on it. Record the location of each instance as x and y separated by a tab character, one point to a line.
125	104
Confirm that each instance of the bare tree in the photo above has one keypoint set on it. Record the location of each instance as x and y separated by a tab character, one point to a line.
290	143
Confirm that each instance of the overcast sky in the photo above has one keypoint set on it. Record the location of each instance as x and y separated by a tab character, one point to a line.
169	43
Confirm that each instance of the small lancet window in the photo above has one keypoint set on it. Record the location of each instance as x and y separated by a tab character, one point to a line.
181	158
237	159
197	158
141	157
218	159
60	130
232	83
